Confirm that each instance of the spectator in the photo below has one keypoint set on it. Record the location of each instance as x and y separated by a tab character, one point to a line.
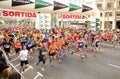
15	75
6	73
3	63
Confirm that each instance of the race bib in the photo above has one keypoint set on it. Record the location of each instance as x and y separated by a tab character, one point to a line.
43	53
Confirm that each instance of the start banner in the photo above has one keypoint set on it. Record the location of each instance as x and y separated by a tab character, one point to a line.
16	14
71	16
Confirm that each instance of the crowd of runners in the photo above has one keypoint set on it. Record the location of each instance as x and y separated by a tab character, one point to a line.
53	43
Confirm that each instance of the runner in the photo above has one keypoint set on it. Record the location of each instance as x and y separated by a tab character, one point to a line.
96	45
23	38
59	48
29	46
52	52
105	36
80	46
17	45
7	47
23	58
114	40
42	55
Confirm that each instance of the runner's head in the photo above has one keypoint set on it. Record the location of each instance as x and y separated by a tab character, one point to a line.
24	47
43	43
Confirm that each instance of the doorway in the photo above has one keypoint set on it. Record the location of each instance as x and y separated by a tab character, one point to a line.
118	24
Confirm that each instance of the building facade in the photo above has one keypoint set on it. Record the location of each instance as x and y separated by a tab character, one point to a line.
109	14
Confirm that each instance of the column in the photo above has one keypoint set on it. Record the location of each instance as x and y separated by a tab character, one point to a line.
114	20
103	21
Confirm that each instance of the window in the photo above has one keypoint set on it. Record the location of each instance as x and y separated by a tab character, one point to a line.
110	5
100	14
99	6
119	4
108	14
118	13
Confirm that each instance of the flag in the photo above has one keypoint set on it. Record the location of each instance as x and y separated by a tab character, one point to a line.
58	6
86	8
21	2
41	4
73	7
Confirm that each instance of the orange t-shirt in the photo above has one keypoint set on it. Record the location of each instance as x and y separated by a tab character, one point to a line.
62	41
52	48
65	39
50	42
58	44
40	41
17	44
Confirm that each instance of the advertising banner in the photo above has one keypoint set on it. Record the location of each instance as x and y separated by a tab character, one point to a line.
58	6
16	14
21	2
86	8
41	4
71	16
73	7
3	0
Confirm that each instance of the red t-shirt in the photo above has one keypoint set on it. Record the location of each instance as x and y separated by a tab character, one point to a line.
75	37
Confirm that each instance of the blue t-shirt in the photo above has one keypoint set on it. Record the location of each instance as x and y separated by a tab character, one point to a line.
46	39
29	43
91	34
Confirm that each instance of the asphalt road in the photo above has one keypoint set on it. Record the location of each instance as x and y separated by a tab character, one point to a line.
106	65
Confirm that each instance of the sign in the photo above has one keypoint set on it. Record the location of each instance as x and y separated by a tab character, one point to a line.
21	2
41	4
58	5
70	16
19	14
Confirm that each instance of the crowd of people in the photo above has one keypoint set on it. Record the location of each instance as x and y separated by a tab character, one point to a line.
53	43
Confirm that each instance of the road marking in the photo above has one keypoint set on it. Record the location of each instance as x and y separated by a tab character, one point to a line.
17	65
101	50
14	59
114	66
30	67
76	54
38	74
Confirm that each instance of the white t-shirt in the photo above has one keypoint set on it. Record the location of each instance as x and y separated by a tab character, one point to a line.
23	55
1	36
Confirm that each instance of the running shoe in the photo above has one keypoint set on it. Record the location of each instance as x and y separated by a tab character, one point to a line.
51	64
82	58
36	64
59	61
71	53
94	55
85	55
42	69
